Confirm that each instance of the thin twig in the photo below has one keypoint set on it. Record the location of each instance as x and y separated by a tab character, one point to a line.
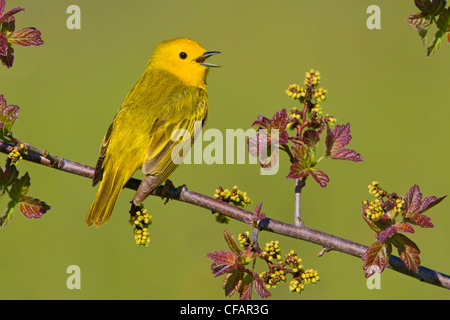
304	233
299	184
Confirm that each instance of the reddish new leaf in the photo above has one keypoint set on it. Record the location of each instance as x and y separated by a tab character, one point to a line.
9	13
280	120
265	147
336	140
415	207
229	239
310	137
297	171
223	261
32	208
404	227
301	153
260	287
417	21
347	154
408	251
27	37
3	44
232	282
319	176
376	257
8	114
8	59
386	233
258	215
262	122
246	288
276	127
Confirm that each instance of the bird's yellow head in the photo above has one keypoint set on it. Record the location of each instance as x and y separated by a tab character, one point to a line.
184	58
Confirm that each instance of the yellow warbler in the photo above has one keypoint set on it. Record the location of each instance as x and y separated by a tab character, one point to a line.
170	95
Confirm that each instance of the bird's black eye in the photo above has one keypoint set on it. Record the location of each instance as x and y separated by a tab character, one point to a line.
183	55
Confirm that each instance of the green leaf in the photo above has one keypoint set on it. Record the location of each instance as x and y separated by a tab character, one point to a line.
444	20
430	7
8	175
20	188
8	214
434	46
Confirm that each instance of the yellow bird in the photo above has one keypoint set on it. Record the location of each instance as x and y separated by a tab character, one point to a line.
170	95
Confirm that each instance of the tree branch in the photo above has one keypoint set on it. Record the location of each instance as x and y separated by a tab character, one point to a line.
325	240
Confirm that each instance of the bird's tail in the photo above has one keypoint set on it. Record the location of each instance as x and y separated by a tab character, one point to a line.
107	194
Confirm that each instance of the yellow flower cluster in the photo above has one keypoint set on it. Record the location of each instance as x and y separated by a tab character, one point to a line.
14	152
308	276
272	278
15	155
375	190
235	196
296	118
295	91
399	203
317	109
319	94
294	261
142	237
141	221
273	250
244	239
330	119
312	78
374	209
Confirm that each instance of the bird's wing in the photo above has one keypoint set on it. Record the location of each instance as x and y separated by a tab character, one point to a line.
172	139
98	173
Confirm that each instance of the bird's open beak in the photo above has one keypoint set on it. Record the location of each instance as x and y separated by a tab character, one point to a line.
206	55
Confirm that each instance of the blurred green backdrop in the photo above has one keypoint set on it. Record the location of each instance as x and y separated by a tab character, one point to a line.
70	88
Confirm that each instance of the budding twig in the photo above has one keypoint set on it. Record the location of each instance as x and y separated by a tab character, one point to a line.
184	195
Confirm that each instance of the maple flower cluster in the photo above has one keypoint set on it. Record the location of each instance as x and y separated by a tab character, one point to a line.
14	152
141	221
390	216
234	196
375	209
291	265
308	124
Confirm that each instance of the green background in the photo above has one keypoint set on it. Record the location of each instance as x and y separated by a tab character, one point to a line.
70	88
